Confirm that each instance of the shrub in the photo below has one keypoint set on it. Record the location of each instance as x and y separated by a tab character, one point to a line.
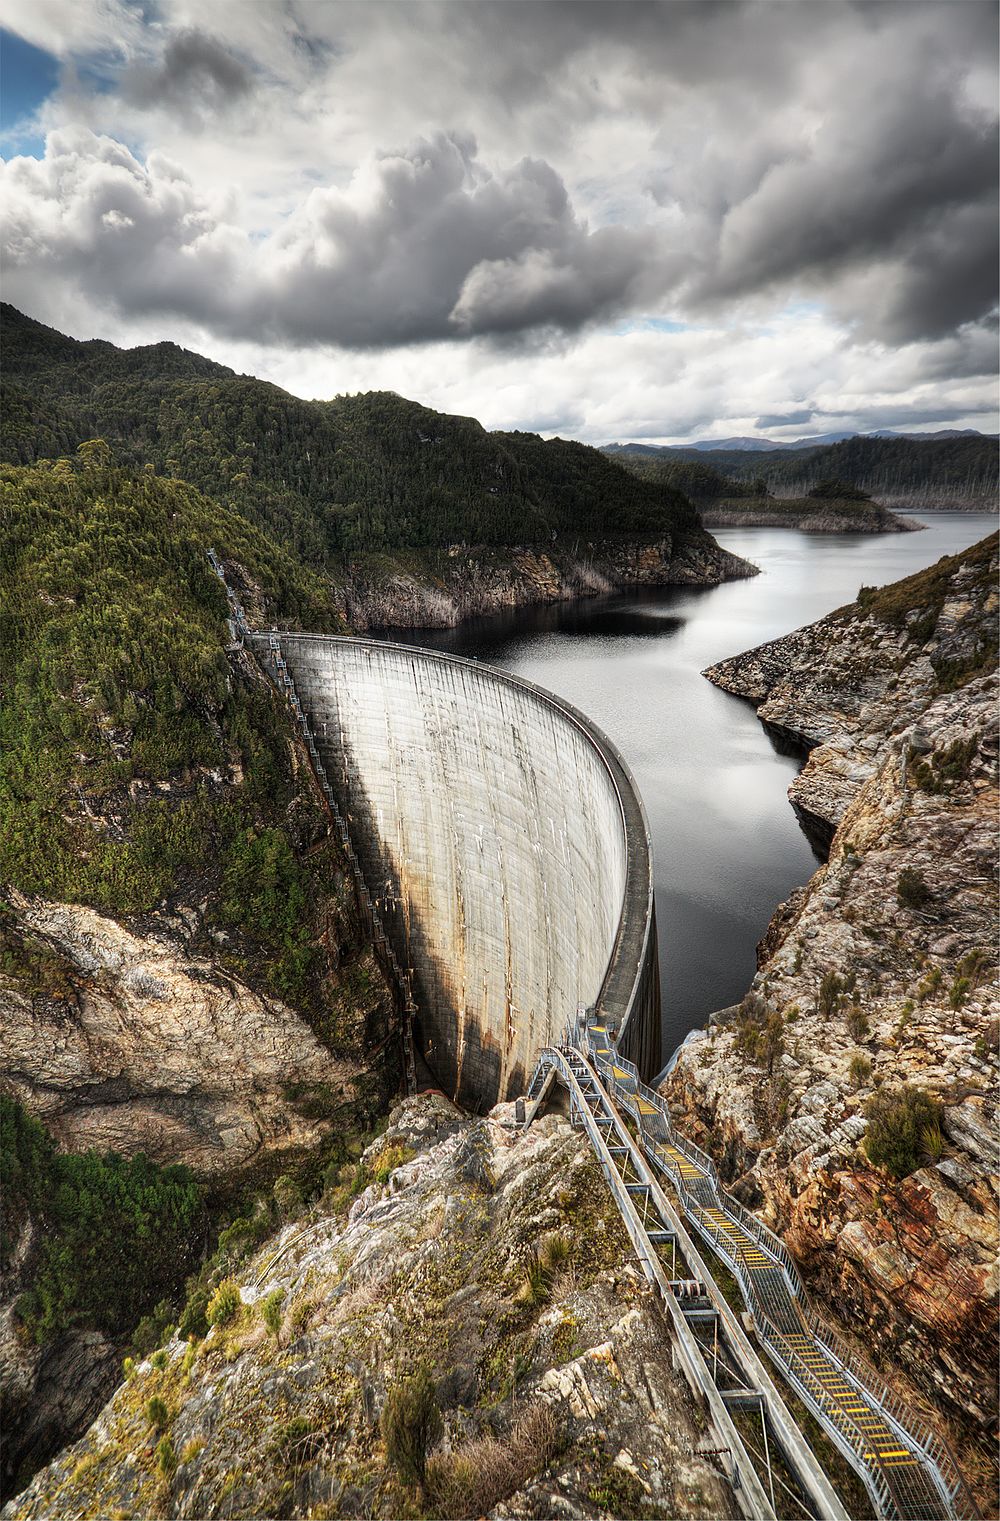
772	1042
959	992
166	1458
295	1440
300	1314
930	984
194	1317
245	1232
830	989
857	1021
389	1159
288	1197
975	965
157	1413
932	1143
912	890
554	1250
411	1424
861	1069
225	1303
271	1310
534	1288
758	1034
775	1100
897	1119
159	1360
482	1473
151	1330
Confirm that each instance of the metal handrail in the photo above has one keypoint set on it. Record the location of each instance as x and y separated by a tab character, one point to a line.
933	1454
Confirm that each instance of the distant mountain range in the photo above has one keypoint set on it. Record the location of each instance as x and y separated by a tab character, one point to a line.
707	445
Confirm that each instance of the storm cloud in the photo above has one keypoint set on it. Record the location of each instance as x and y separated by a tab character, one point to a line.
364	178
197	74
428	243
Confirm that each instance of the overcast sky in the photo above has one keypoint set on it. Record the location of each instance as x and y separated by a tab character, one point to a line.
605	220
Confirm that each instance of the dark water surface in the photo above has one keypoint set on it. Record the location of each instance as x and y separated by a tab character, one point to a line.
726	844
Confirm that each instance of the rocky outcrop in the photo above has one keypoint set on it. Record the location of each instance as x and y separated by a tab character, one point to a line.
149	1048
879	972
50	1395
438	588
556	1399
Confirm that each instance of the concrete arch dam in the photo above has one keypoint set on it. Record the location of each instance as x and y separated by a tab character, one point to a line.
505	845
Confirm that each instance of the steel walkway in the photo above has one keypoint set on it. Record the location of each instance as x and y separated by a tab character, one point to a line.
710	1346
907	1470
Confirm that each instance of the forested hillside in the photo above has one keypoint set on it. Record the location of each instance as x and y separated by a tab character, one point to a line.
830	506
907	468
700	482
898	471
137	765
358	473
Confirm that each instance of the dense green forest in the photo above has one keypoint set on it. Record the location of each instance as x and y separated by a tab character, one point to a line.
117	1235
701	482
358	473
117	681
931	470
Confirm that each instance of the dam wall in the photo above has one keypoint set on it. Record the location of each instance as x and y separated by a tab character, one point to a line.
505	845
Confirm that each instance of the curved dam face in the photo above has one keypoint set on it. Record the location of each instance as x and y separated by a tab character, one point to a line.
504	842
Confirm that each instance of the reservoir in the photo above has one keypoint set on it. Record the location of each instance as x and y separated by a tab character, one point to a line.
726	844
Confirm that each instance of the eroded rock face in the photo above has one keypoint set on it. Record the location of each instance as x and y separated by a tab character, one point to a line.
441	588
903	774
564	1406
158	1051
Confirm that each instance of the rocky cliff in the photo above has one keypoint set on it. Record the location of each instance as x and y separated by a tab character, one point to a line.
438	588
146	1046
875	980
488	1262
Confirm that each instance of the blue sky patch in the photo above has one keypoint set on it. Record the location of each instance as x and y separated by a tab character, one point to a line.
28	75
652	325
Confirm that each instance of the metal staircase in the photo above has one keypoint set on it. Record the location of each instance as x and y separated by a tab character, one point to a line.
907	1470
709	1347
